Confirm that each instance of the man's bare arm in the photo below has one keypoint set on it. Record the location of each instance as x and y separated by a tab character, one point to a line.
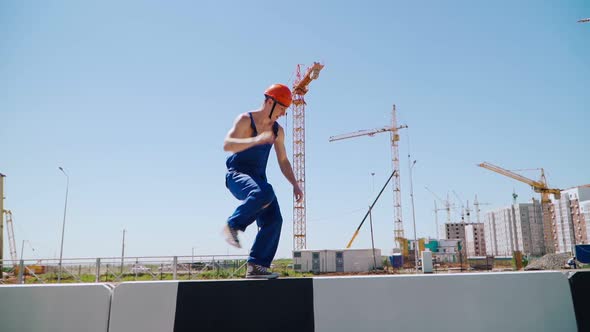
285	165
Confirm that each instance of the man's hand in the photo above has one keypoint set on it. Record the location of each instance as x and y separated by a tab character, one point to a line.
297	193
266	137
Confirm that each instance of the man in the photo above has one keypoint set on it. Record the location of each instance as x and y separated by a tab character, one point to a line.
572	263
250	140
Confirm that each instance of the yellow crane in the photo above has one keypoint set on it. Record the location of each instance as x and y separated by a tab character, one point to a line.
539	186
368	214
300	88
398	227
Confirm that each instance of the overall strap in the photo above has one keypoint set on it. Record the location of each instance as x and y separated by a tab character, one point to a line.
275	128
252	124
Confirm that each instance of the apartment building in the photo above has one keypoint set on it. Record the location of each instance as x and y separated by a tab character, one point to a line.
516	227
471	236
570	218
475	239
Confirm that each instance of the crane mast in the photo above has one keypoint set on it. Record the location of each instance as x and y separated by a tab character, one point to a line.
300	88
447	204
477	204
398	226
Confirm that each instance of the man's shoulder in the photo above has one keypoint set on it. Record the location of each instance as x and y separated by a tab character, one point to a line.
243	118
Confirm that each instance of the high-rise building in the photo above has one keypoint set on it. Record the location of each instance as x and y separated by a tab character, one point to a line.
475	239
471	235
570	218
518	227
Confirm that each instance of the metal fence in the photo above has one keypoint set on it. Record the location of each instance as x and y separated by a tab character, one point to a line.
118	269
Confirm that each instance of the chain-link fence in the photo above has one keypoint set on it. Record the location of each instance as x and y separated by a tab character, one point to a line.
118	269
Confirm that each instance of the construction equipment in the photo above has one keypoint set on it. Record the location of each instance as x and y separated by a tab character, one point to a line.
463	209
477	204
300	88
398	226
539	186
369	212
447	204
436	219
11	242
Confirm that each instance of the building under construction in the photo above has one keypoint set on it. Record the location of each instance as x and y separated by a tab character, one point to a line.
570	218
518	227
471	236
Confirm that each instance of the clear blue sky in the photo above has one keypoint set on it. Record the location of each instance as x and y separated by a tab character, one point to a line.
134	98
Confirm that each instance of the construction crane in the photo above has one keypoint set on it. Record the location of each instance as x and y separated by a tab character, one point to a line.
447	204
463	209
300	88
11	241
436	209
398	226
368	214
477	204
539	186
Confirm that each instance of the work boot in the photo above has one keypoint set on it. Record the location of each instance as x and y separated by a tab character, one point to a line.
256	271
231	236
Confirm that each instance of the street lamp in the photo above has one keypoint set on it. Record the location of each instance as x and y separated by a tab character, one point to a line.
416	246
22	249
63	227
123	251
21	269
190	266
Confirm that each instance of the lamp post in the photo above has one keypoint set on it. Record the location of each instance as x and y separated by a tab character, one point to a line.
63	226
416	246
22	249
21	269
123	251
190	266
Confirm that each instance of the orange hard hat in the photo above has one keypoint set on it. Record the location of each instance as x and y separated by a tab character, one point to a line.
280	93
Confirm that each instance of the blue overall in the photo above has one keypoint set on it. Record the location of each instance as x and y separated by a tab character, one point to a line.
246	180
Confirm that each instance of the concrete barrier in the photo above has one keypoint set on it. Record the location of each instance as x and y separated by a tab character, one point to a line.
144	306
485	302
580	287
54	308
218	305
532	301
